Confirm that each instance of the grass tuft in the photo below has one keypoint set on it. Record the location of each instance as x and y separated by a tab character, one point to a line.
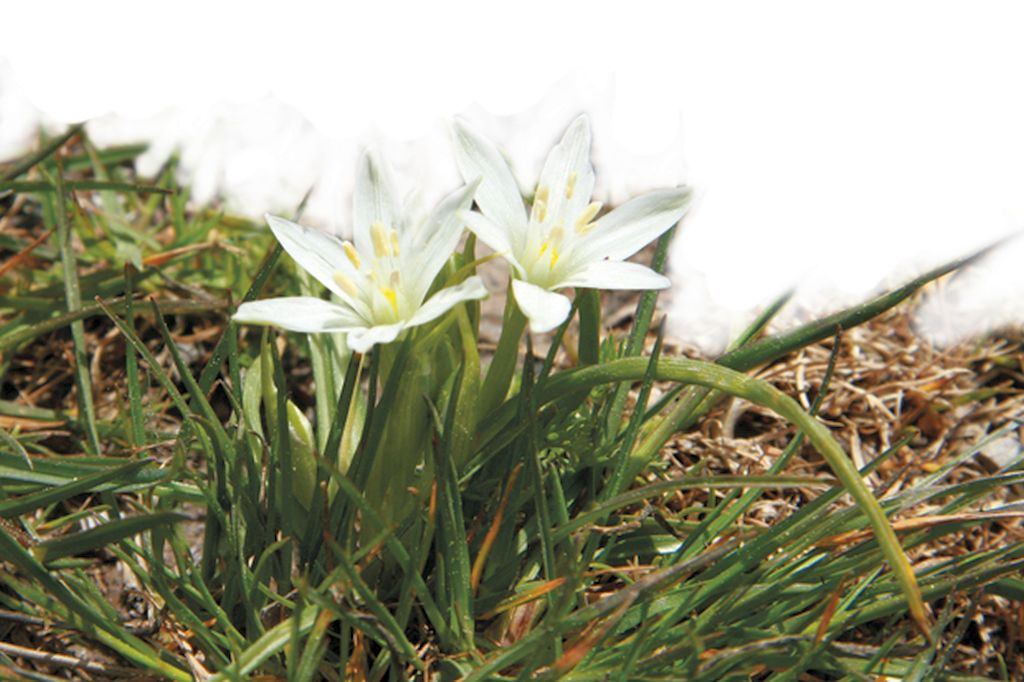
182	498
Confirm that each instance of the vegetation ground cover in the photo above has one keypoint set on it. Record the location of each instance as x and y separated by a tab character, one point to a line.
625	528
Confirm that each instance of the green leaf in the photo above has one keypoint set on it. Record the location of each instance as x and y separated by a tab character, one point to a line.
28	162
73	303
269	644
83	615
97	481
95	538
81	186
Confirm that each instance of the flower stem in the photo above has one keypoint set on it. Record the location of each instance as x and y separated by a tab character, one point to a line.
499	374
590	326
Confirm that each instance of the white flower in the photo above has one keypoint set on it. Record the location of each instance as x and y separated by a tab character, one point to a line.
382	281
560	244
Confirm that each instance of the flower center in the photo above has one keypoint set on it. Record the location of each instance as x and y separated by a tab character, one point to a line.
379	286
392	297
549	243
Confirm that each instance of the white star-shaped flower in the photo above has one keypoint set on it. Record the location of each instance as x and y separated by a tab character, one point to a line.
381	282
561	242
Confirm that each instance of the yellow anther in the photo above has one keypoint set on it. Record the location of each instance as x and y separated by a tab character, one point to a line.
394	243
540	205
544	247
392	297
346	283
381	245
353	255
557	234
554	256
570	185
583	223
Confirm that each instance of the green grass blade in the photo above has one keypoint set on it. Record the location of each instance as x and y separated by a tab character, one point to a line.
23	166
268	645
593	515
28	332
761	393
748	356
27	503
110	156
16	447
638	332
212	367
774	347
316	646
620	471
358	501
131	360
83	616
503	365
646	588
80	186
95	538
73	298
451	527
147	355
731	509
220	351
380	611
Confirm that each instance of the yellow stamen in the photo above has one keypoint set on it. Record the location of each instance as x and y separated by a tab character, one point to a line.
353	255
554	256
392	297
544	247
379	234
346	283
557	234
540	205
583	223
394	243
570	185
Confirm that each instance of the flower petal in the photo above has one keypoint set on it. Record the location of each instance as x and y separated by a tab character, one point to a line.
298	314
374	200
634	224
493	236
316	252
487	231
498	194
435	241
362	340
567	173
470	290
612	274
545	309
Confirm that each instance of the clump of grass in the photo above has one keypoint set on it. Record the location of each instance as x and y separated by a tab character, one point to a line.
185	499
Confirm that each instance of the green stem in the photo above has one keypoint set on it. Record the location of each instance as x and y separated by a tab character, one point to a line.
590	326
641	324
499	374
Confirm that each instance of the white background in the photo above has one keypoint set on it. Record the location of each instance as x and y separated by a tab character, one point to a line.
838	146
